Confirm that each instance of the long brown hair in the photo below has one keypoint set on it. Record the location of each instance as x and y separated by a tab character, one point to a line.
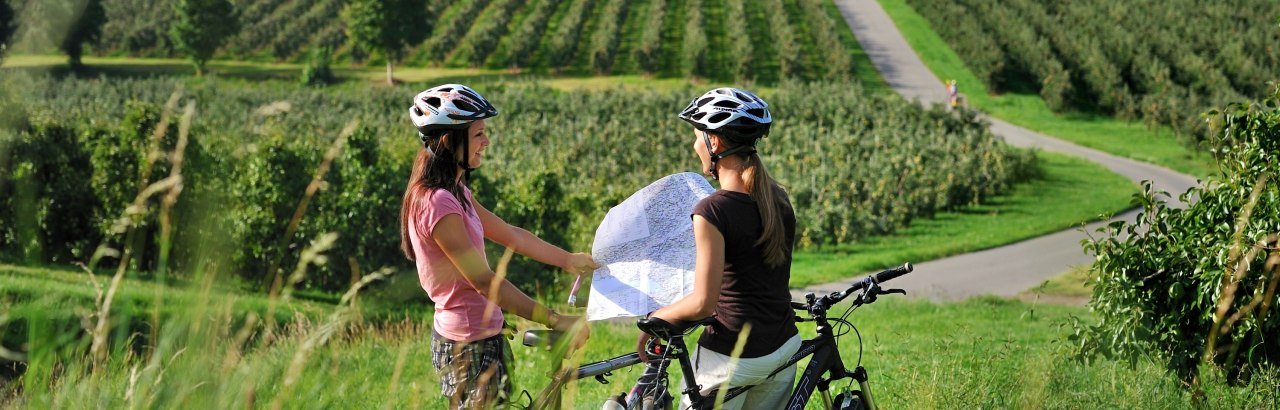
435	167
770	199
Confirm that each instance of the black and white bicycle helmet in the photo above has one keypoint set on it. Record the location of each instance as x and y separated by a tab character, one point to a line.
449	106
733	113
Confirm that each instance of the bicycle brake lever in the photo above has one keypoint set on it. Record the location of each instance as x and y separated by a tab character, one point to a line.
893	291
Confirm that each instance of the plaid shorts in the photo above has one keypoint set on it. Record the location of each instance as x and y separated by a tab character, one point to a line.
472	374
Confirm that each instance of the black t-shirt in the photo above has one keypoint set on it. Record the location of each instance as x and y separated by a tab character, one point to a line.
752	292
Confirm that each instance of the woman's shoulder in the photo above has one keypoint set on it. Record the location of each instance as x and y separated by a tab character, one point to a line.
715	197
440	199
719	200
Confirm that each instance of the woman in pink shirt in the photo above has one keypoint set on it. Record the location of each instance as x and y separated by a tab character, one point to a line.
443	230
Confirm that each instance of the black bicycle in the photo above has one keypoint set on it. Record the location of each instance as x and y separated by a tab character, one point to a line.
667	347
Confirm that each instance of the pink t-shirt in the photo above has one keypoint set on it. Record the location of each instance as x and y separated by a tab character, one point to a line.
460	309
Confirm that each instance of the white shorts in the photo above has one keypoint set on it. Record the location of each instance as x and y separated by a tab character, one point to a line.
712	368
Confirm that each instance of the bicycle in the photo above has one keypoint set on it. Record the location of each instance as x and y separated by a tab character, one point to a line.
651	392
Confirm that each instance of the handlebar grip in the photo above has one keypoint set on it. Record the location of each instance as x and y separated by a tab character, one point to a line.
541	337
890	274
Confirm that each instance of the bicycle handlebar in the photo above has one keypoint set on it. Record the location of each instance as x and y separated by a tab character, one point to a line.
891	274
606	366
867	282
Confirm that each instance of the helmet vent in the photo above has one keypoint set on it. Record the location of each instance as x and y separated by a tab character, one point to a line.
463	104
432	101
704	101
445	90
727	104
720	116
470	95
759	112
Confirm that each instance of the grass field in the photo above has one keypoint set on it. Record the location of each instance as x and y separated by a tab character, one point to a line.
1031	209
984	352
1126	139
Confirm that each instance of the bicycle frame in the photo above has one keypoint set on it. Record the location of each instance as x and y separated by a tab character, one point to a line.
549	397
826	360
826	355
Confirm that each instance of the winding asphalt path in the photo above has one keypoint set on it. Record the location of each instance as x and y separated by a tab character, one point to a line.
1007	270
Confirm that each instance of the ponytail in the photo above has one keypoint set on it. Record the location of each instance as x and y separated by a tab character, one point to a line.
767	194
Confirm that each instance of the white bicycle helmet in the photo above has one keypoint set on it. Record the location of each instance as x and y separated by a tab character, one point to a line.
449	106
733	113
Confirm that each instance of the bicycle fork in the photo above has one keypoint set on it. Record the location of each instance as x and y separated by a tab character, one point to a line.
860	375
827	361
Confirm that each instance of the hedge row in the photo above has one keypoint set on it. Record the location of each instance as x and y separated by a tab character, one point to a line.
856	165
581	37
1163	62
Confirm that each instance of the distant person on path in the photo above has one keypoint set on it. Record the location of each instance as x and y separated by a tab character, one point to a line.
442	229
953	94
744	234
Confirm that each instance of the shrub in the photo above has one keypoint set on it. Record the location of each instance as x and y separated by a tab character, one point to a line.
526	39
788	48
604	42
647	51
560	48
448	35
52	206
740	48
694	52
317	70
1195	285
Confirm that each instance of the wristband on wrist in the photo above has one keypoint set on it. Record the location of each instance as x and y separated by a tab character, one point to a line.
552	318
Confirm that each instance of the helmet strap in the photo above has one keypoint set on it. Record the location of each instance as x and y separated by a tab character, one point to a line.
466	150
715	157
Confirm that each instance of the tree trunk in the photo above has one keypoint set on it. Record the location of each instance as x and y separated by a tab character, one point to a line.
390	79
74	62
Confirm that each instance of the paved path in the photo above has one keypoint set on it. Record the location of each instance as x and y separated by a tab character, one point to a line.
1006	270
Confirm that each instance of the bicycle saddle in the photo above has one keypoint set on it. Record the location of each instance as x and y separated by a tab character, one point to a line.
665	330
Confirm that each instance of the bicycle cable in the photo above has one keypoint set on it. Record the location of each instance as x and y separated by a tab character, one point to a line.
844	320
660	378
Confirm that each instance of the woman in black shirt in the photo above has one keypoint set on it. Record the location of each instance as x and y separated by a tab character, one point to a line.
744	235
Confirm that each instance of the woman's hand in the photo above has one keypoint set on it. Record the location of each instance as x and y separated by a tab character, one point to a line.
641	343
574	325
580	264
